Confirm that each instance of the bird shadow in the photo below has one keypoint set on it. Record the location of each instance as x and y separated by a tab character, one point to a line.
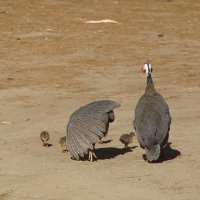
106	141
112	152
64	151
49	145
168	154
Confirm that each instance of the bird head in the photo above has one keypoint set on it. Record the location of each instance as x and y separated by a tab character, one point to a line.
132	133
111	116
147	68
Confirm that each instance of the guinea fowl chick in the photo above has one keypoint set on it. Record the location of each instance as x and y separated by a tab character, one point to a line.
44	136
63	144
126	139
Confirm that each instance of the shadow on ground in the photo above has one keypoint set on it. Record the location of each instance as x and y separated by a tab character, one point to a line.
168	154
106	141
111	152
49	145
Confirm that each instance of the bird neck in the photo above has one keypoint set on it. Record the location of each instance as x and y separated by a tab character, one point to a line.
150	85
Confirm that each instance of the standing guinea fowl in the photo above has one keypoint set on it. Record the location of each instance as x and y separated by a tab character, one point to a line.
87	125
152	119
62	142
44	136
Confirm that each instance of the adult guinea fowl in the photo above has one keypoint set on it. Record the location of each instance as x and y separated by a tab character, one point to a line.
152	120
87	125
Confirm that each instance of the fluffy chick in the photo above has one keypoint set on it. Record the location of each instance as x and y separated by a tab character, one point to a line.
126	139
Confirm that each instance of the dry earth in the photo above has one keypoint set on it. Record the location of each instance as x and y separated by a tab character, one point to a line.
52	62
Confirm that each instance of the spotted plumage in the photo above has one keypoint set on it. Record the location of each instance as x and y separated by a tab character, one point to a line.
152	120
87	125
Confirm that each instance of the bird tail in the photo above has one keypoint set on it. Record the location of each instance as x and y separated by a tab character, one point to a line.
153	154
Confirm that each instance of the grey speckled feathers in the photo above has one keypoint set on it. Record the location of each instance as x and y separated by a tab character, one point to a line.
87	124
152	121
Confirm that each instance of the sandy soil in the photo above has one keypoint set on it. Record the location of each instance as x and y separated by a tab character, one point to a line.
52	62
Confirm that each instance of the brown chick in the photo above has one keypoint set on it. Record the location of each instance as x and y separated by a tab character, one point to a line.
44	136
63	144
126	139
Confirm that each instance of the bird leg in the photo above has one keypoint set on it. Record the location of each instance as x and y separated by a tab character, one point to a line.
126	147
100	141
91	155
46	144
43	143
62	149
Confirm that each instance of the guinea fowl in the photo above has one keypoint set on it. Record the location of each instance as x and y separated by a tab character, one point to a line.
126	139
87	125
152	120
62	142
44	136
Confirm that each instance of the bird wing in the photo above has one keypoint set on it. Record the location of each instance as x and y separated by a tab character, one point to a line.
163	127
163	120
145	130
139	124
86	125
152	120
103	105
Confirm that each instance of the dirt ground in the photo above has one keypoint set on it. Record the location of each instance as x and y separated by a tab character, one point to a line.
52	62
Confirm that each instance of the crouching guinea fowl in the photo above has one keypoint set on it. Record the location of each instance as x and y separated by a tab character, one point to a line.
87	125
152	120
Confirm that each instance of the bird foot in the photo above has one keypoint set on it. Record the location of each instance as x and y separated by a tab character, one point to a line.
64	151
91	156
126	147
100	141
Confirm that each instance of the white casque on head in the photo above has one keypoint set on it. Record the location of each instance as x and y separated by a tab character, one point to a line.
147	68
